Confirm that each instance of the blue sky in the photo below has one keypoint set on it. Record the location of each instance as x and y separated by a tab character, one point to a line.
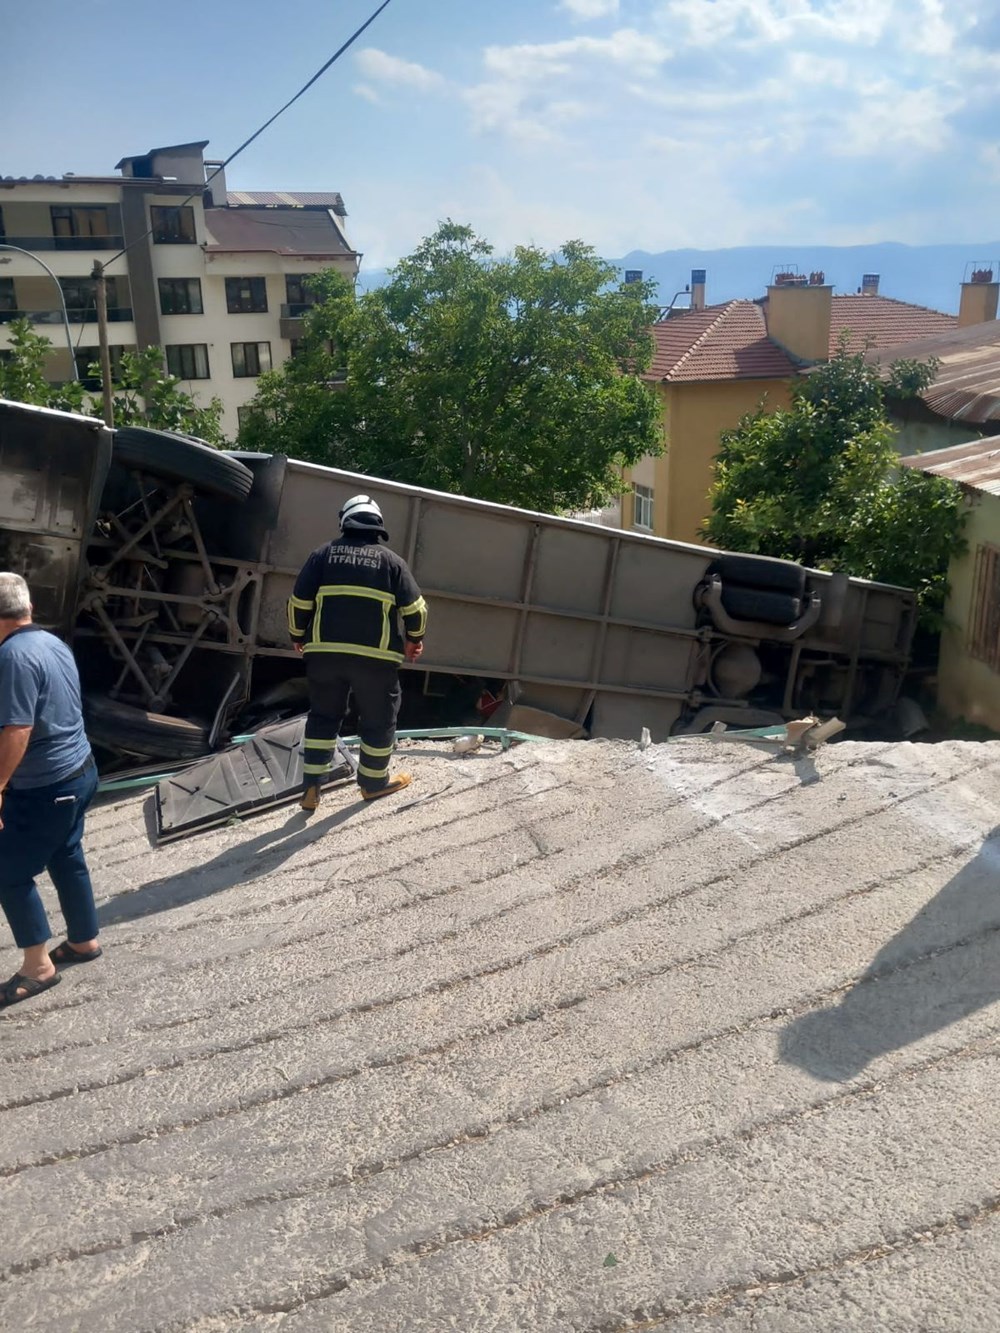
632	124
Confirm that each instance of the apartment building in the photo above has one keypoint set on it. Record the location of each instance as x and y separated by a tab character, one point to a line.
217	278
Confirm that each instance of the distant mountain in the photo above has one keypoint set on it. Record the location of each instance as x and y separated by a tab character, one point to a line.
927	275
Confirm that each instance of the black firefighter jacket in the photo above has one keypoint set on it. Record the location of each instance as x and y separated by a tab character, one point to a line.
346	599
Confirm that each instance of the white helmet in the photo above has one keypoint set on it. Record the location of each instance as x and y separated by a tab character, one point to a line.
361	514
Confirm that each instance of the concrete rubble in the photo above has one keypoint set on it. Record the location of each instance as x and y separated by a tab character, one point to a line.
580	1036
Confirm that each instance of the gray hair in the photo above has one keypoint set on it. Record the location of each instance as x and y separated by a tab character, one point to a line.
15	599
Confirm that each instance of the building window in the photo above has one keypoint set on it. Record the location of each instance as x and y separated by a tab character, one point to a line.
251	359
642	513
188	361
8	300
87	357
984	622
297	346
246	296
80	295
180	296
243	415
172	225
298	296
68	221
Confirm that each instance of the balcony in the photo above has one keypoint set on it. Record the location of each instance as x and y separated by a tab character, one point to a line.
290	324
119	315
65	242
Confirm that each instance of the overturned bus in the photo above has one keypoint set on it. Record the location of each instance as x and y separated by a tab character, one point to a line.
168	565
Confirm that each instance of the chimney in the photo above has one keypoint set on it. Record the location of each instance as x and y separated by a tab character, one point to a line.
798	314
979	296
217	189
697	289
869	284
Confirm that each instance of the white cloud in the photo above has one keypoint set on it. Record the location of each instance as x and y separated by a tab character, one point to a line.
380	67
627	47
590	9
368	93
726	122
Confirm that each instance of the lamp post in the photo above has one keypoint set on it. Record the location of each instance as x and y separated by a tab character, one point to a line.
62	300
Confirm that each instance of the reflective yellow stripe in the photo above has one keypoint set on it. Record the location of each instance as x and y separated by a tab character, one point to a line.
311	744
384	641
419	607
366	772
316	768
356	649
375	752
354	590
297	604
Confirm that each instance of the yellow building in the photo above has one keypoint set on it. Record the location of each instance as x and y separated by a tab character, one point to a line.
714	364
969	664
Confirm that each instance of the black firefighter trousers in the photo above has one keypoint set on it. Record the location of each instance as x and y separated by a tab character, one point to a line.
332	679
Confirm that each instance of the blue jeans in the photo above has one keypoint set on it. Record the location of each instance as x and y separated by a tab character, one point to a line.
43	830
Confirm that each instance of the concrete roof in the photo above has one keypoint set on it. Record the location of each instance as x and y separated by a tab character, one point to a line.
581	1037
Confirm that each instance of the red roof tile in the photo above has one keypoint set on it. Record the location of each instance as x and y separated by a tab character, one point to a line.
880	321
721	342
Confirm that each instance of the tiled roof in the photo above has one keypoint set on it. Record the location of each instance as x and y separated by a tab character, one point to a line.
284	199
880	321
721	342
295	232
976	465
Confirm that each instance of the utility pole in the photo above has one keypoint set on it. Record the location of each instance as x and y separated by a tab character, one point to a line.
101	295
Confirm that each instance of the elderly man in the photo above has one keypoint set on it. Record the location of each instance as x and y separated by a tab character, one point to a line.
47	780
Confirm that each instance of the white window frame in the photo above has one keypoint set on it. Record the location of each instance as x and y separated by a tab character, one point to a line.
642	507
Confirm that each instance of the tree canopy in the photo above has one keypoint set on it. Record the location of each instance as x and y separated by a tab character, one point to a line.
144	394
820	483
511	379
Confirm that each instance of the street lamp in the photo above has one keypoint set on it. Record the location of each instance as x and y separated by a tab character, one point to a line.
62	299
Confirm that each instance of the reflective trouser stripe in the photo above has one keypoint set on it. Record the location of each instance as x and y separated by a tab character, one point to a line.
376	752
365	771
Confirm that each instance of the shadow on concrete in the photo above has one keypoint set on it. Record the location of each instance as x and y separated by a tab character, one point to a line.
236	865
942	966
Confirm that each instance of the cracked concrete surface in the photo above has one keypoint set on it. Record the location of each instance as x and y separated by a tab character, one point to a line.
579	1037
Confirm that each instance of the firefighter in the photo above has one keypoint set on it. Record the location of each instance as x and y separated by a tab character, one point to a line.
344	616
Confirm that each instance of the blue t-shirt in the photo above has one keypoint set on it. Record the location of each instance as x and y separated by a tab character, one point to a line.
40	689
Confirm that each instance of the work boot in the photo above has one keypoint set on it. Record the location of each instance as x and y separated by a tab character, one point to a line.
397	783
310	797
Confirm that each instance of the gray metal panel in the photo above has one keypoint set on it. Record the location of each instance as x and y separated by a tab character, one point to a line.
473	551
262	773
470	637
618	715
570	569
559	648
52	468
656	580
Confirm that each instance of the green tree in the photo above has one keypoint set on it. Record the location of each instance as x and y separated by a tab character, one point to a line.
22	372
144	394
511	379
820	483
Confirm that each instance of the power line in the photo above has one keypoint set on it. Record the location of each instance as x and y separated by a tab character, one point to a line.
257	133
